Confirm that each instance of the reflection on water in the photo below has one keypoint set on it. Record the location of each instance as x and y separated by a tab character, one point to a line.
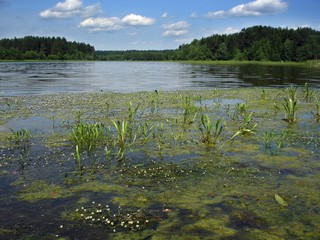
26	78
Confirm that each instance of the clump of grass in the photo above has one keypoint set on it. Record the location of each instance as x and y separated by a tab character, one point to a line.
19	136
153	100
308	92
290	108
189	110
209	133
263	94
241	108
88	136
291	93
132	111
121	131
245	129
268	139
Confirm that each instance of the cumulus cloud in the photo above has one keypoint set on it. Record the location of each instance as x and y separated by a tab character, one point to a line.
137	20
175	29
254	8
71	8
115	23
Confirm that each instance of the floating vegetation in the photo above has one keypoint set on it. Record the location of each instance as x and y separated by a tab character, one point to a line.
146	165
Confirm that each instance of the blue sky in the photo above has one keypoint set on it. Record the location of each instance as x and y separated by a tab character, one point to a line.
148	24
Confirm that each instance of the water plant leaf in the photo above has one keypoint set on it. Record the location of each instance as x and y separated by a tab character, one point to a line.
280	200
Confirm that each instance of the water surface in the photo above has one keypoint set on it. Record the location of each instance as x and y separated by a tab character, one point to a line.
30	78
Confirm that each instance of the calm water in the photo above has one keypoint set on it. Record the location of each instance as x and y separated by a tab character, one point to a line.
52	77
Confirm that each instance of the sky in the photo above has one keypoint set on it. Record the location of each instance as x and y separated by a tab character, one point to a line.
149	24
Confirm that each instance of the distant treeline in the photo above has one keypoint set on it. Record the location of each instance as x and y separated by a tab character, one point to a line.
44	48
257	43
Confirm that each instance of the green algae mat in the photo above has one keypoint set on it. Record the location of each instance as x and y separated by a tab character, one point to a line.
207	164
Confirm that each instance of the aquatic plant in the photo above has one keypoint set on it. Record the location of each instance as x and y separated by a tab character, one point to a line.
209	133
309	94
268	139
132	111
263	94
19	136
78	116
121	131
153	100
189	110
290	108
245	128
241	108
317	115
78	160
145	131
291	93
88	136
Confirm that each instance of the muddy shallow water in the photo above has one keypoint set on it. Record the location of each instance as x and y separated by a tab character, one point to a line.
66	172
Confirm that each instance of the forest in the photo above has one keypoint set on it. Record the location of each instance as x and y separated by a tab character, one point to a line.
258	43
44	48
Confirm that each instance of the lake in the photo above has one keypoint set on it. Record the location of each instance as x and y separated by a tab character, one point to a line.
37	78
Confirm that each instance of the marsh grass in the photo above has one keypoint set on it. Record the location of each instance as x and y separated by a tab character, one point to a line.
88	136
20	136
291	93
209	133
190	111
309	94
121	135
245	129
290	108
263	94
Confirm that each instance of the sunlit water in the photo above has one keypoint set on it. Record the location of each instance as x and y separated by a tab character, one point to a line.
30	78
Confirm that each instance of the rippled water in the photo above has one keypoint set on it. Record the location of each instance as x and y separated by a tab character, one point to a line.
29	78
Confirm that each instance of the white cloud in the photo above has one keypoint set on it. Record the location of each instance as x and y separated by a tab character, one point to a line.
231	30
68	5
91	10
174	33
137	20
175	29
71	8
102	24
115	23
254	8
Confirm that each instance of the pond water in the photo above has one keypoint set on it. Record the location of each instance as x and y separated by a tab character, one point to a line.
29	78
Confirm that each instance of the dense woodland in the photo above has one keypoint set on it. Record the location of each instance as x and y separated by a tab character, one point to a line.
44	48
257	43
